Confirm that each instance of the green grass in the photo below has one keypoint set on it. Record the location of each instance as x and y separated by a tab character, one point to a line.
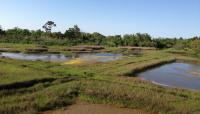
138	95
51	49
55	85
38	98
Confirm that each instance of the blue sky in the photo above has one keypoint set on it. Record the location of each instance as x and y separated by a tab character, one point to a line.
166	18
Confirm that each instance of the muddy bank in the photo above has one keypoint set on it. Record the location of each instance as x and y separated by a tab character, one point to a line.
8	50
86	48
137	48
85	108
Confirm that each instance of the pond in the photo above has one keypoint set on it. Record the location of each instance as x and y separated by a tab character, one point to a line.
98	57
178	75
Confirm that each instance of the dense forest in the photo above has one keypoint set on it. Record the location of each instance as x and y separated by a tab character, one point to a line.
74	36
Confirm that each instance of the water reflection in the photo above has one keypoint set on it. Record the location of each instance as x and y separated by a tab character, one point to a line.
98	57
174	75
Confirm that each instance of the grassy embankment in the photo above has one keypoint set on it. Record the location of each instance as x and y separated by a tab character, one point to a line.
9	47
52	85
29	48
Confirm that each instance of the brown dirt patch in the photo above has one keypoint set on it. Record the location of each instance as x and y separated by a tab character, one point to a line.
85	108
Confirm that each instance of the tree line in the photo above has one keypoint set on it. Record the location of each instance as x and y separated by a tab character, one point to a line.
74	36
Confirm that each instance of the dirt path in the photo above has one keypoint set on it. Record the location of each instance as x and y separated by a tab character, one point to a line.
85	108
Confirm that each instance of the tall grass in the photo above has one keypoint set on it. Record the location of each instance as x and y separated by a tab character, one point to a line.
99	83
153	98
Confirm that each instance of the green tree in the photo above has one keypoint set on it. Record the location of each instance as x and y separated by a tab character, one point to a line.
36	34
48	26
57	35
73	33
98	38
130	40
2	32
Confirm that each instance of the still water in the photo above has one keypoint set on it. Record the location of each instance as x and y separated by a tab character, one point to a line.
98	57
179	75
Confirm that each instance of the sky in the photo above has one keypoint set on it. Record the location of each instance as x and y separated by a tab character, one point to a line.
159	18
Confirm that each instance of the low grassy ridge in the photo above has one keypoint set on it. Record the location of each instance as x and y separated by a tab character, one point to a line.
32	48
28	87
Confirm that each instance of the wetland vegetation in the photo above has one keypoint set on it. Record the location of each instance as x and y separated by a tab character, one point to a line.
31	87
99	57
105	71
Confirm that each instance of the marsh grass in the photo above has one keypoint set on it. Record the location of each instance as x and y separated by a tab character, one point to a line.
153	98
99	83
39	99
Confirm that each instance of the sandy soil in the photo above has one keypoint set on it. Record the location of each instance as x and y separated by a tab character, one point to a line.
85	108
